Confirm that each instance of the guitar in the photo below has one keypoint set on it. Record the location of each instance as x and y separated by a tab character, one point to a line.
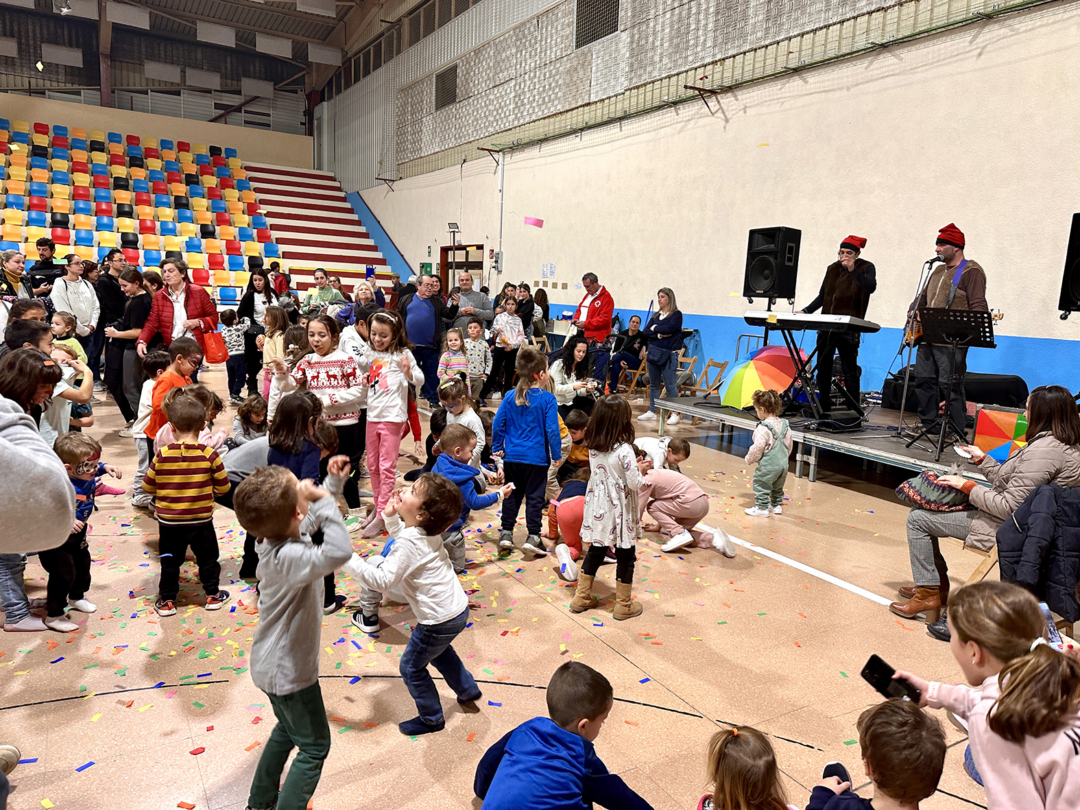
913	331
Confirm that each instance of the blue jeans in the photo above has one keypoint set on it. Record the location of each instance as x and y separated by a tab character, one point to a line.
12	593
662	371
93	344
430	644
428	358
632	363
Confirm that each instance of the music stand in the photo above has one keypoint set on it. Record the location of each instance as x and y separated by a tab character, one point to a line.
954	328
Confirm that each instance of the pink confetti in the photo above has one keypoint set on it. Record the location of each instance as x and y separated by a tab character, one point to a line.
539	223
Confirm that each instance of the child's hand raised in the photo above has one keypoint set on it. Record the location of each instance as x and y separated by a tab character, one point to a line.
279	366
113	471
392	505
309	492
339	466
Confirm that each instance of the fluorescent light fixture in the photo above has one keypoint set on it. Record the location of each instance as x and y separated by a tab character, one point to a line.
39	66
453	226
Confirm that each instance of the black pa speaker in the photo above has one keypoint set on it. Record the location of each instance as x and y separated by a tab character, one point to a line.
772	263
1070	279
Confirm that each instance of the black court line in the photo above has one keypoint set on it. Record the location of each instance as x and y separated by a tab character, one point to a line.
107	694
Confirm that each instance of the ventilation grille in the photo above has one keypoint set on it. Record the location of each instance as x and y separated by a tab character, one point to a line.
596	19
446	87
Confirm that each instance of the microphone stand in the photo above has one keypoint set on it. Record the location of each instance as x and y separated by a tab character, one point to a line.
924	279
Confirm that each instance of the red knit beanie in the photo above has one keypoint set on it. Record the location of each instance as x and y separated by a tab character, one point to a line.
951	235
856	243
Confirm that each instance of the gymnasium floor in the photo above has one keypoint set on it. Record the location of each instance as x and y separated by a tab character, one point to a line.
135	711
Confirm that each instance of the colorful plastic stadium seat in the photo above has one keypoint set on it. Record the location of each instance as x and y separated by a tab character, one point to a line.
165	214
103	209
140	186
122	197
162	201
15	201
204	218
271	251
167	228
227	232
84	238
231	195
188	229
36	219
199	204
57	190
82	207
230	152
233	247
252	249
100	181
62	236
151	241
102	195
172	243
82	222
105	223
215	261
227	182
14	216
61	178
236	263
219	207
114	137
221	171
151	257
156	177
79	146
80	193
144	211
263	235
38	190
106	239
147	226
184	215
202	159
212	246
60	206
11	245
115	151
196	262
131	254
125	225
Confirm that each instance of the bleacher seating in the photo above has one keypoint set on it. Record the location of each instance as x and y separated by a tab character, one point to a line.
152	198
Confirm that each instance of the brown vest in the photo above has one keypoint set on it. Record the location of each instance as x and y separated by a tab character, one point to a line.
842	295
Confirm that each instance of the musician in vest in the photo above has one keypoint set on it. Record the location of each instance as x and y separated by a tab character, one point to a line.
958	283
849	282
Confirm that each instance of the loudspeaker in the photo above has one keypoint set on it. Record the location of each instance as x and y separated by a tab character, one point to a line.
1070	278
772	263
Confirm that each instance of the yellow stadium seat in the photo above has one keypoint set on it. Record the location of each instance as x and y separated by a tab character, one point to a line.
137	174
121	197
60	206
11	233
149	143
145	211
33	234
96	135
230	194
226	233
58	165
168	154
80	179
125	225
200	204
151	241
195	261
99	157
208	181
252	249
20	126
39	176
30	248
79	155
222	278
239	174
13	216
84	252
78	132
204	218
153	164
212	246
118	171
165	215
82	222
106	239
115	148
173	243
184	157
57	190
242	277
241	220
17	187
178	189
234	163
199	149
188	229
17	173
39	140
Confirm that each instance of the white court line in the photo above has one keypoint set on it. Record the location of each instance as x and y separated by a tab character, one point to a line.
806	569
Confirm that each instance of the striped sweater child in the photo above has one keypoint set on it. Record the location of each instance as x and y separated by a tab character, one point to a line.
453	364
183	479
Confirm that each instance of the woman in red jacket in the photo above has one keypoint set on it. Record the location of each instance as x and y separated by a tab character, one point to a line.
180	309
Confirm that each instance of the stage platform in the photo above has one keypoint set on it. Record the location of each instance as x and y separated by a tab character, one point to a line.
877	443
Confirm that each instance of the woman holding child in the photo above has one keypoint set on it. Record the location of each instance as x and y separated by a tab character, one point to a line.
1051	456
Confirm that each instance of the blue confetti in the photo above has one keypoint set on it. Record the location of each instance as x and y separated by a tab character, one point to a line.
58	660
82	768
645	680
159	684
28	761
357	646
354	680
493	703
205	675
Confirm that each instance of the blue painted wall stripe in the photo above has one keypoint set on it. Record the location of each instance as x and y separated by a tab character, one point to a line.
395	261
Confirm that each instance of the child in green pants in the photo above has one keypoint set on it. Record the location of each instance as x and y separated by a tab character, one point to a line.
771	448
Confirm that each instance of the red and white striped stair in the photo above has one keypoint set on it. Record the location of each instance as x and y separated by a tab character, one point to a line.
314	225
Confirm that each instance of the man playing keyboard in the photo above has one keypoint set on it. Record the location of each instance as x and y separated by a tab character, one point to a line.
846	290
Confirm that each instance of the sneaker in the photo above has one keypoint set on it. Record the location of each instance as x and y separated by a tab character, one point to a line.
416	727
777	510
722	543
755	511
95	400
609	557
506	540
969	766
236	400
836	769
363	473
126	433
940	628
335	606
37	604
648	416
82	605
535	546
10	756
99	387
31	624
367	624
674	419
678	541
216	601
567	569
61	624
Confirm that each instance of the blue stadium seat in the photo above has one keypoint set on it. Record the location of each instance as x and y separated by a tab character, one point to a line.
59	131
39	190
102	252
36	219
259	221
5	124
134	151
245	234
10	246
222	171
167	228
39	163
3	173
193	245
152	258
15	201
171	166
195	191
218	206
99	170
78	143
236	263
243	185
228	295
102	195
60	153
271	251
61	178
156	176
115	137
20	137
184	215
162	201
84	238
104	224
140	186
230	152
83	207
165	144
202	159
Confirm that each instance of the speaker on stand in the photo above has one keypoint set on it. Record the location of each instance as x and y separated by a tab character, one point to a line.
772	264
1069	301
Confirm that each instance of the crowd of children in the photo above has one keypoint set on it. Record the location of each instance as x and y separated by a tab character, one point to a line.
331	395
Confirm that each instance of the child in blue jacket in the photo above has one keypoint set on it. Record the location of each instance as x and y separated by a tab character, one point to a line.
526	433
549	763
457	445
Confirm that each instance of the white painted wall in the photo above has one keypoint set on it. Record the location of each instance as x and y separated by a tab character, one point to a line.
977	126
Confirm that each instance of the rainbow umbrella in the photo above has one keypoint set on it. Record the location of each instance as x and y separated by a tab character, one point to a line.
1000	433
768	367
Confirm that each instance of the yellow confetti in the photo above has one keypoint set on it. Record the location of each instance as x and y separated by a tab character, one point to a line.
562	648
147	706
46	804
95	718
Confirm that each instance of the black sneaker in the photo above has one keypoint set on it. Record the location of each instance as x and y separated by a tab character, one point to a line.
535	546
506	541
217	601
366	624
940	628
165	607
836	769
335	606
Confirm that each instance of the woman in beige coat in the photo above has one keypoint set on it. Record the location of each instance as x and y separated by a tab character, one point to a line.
1052	456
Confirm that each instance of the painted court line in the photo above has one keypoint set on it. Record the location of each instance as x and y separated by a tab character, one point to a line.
806	569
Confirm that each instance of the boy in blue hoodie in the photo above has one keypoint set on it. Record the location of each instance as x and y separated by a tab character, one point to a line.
549	763
456	446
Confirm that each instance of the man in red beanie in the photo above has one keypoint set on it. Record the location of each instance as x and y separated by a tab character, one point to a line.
846	290
959	283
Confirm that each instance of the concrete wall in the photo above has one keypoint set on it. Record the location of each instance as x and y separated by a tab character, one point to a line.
255	146
975	126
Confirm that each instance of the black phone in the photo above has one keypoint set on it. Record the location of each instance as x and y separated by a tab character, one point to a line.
880	676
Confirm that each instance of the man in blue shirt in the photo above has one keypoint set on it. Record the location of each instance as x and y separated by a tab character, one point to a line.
424	315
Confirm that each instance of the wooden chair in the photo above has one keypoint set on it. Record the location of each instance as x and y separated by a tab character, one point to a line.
685	364
703	386
635	375
541	343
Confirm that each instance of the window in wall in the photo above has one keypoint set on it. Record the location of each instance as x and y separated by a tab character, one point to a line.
347	74
596	19
446	11
428	14
446	87
460	7
390	44
414	28
358	67
337	82
376	55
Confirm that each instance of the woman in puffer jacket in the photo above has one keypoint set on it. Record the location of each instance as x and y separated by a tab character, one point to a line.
1052	456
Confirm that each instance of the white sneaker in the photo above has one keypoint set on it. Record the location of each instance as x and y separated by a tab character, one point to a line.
648	416
126	433
82	605
754	511
722	543
567	569
60	624
99	387
678	541
777	510
674	419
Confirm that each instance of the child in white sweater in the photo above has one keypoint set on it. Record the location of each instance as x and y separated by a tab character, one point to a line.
419	568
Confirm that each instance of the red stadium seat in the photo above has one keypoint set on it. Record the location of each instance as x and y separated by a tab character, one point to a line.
62	236
221	218
218	160
59	142
80	167
252	209
213	193
206	170
147	226
132	256
143	198
100	181
38	204
216	261
159	188
183	146
151	153
132	140
263	235
174	177
200	275
103	209
116	160
226	182
233	248
80	193
41	129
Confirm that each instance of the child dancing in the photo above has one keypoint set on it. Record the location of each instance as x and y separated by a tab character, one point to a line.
771	448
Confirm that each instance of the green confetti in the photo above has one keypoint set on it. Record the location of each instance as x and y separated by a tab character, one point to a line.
849	742
198	705
843	673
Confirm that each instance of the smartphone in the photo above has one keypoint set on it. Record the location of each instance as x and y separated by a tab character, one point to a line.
880	676
1052	634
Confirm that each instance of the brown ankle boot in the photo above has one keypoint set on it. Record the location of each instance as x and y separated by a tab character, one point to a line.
908	591
625	607
925	601
583	599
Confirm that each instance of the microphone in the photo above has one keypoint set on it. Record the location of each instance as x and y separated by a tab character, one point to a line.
935	260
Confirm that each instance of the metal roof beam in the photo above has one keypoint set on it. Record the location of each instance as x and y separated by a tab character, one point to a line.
354	23
186	17
293	15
